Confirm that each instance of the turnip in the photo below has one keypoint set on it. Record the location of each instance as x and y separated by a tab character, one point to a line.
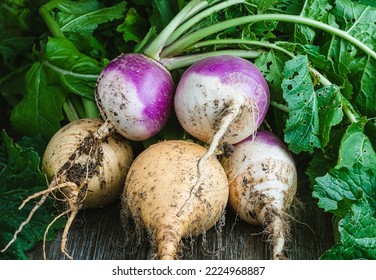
263	182
159	182
221	99
94	178
134	93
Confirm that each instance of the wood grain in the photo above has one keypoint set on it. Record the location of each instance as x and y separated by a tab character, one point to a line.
98	235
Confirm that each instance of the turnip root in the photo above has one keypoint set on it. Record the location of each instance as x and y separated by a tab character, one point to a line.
221	99
90	177
158	184
263	182
134	95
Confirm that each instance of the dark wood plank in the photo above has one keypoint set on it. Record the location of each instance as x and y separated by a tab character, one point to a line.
98	235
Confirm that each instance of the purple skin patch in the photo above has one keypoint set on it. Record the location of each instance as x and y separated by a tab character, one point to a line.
152	81
232	69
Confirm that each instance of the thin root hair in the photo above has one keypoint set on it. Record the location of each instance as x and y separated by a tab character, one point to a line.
64	238
127	218
47	192
218	247
297	207
48	228
25	222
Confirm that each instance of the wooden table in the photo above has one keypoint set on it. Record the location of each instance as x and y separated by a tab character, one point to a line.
98	234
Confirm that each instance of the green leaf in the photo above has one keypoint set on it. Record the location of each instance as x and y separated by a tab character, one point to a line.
20	177
78	25
357	19
357	235
345	183
24	163
78	72
134	27
370	131
285	6
356	148
368	2
314	9
365	88
85	22
162	13
35	143
62	70
313	112
40	111
341	55
271	65
69	9
318	166
330	111
263	5
302	127
312	51
12	85
12	45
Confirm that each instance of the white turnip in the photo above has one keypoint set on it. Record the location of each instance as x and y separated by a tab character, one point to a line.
263	182
89	177
221	99
158	184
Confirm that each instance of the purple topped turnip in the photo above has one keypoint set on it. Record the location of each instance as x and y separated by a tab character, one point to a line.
219	88
134	93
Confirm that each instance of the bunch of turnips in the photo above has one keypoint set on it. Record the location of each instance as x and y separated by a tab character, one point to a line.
175	188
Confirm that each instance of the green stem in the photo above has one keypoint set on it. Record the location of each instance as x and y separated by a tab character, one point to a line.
183	61
69	73
156	46
280	106
227	42
91	108
198	17
198	8
77	104
186	41
45	12
349	112
70	111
